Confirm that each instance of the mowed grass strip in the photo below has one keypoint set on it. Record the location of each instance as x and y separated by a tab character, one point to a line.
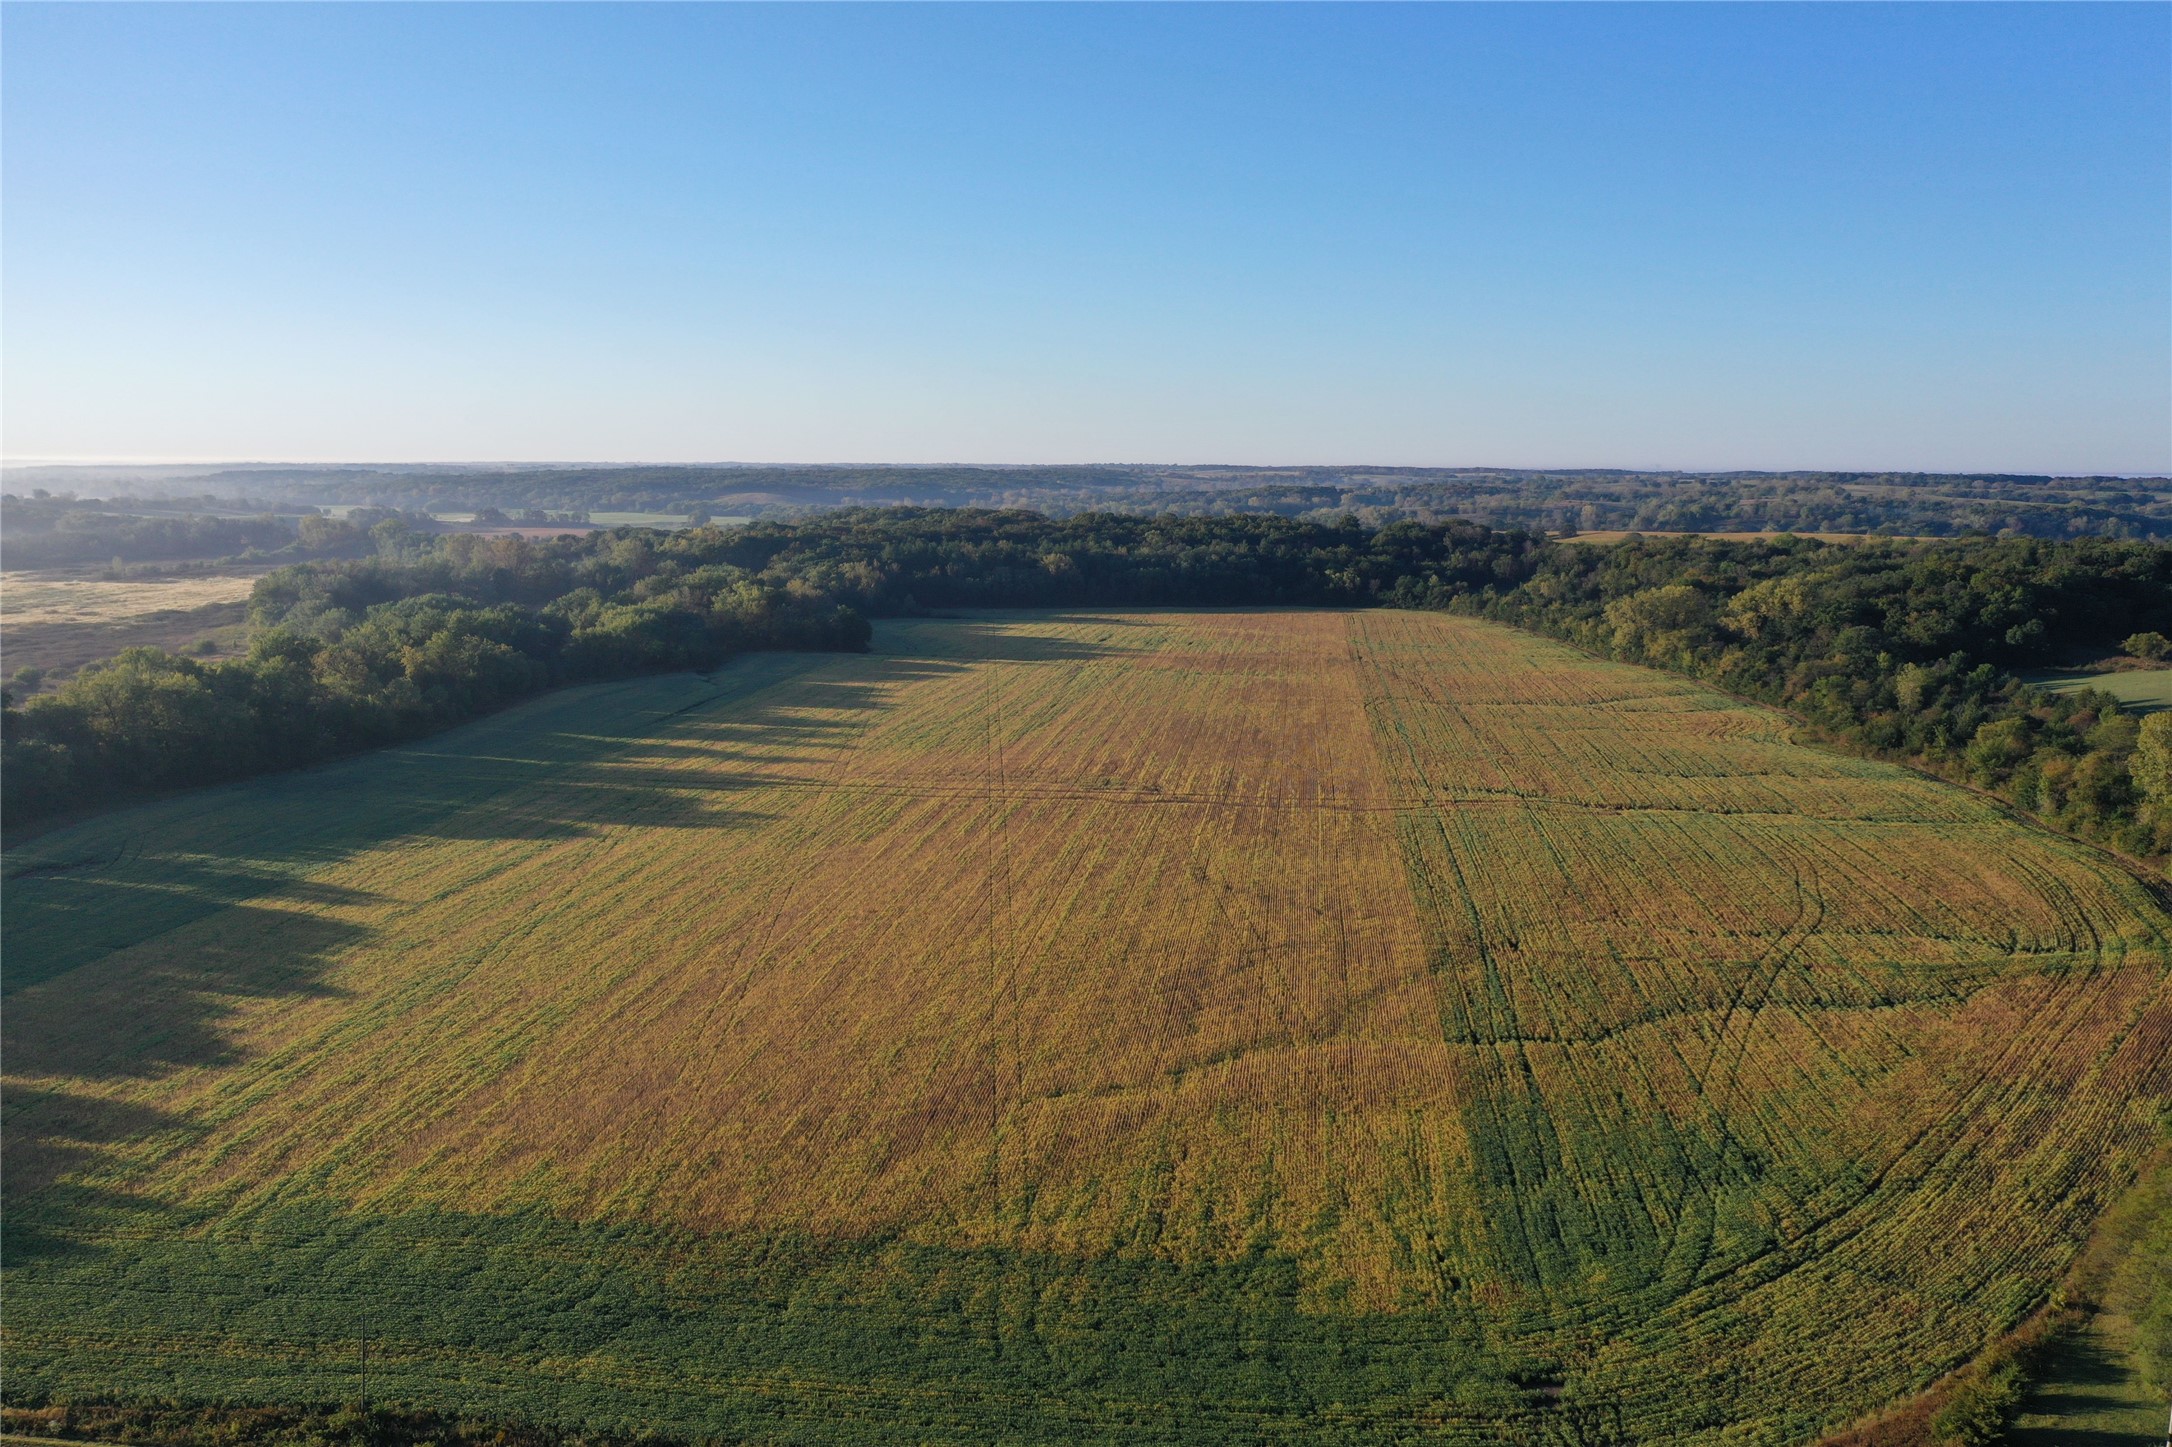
1318	986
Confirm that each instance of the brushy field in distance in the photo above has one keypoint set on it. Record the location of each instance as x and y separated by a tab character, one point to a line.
62	597
60	620
1158	1027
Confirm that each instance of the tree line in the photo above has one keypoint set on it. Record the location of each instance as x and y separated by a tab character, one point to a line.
75	535
321	680
48	532
1909	650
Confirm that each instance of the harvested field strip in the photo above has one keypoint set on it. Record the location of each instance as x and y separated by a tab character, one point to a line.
1296	1024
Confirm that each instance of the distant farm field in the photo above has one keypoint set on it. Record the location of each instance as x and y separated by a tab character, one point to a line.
1156	1027
58	621
42	598
2144	690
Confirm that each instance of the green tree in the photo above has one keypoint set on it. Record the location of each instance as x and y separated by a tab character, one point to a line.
1658	618
1997	750
1980	1407
2152	762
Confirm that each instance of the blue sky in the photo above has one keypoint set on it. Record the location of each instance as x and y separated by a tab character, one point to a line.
1847	236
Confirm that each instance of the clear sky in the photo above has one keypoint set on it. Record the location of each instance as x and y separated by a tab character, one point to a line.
1849	236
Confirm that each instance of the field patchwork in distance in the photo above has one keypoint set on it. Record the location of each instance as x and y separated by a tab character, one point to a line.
1282	1026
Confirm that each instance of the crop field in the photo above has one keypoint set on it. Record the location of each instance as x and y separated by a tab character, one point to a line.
1159	1027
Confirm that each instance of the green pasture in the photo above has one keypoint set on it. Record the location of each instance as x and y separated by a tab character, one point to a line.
2143	690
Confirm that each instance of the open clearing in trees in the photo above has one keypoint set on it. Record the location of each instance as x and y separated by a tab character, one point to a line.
60	619
1282	1026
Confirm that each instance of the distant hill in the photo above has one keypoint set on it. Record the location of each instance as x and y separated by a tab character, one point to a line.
1925	504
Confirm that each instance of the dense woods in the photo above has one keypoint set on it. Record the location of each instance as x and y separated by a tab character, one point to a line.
906	559
44	532
1910	650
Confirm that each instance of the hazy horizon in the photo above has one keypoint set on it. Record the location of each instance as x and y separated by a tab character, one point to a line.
10	464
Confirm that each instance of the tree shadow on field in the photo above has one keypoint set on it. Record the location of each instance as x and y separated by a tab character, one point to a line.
962	641
136	1018
49	1136
109	995
161	1010
2087	1395
127	942
657	752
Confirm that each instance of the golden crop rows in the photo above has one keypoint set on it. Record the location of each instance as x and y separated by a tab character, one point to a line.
1564	999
